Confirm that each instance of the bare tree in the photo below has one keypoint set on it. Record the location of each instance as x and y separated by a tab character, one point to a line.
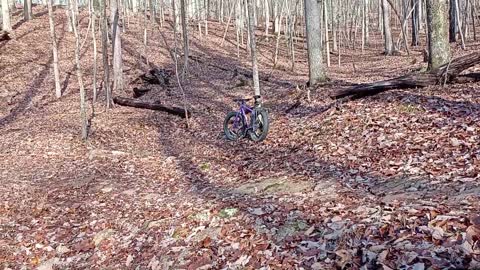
327	40
94	39
83	107
452	16
415	22
27	10
56	73
438	47
251	27
106	66
387	33
312	21
7	26
69	19
117	47
460	30
185	37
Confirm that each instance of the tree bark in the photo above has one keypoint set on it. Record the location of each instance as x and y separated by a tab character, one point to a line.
444	74
317	72
83	109
387	33
253	49
27	10
327	39
185	37
7	25
151	106
452	30
117	47
56	73
106	65
94	39
415	22
459	25
438	46
69	18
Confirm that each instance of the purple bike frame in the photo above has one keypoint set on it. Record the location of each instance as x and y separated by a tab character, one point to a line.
242	113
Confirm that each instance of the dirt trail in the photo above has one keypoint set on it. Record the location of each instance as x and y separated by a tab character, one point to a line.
391	180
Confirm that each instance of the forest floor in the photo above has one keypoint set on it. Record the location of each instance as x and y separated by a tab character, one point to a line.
390	181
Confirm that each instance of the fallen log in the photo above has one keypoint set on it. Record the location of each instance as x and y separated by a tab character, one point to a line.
467	78
445	74
151	106
138	92
4	36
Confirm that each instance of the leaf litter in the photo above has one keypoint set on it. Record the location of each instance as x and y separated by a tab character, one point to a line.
388	182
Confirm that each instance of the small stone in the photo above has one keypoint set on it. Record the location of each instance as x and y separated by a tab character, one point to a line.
107	189
129	260
61	249
455	142
105	234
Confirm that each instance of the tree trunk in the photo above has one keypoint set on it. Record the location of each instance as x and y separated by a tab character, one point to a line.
364	19
94	38
267	18
153	12
253	49
7	25
387	33
185	38
56	73
134	6
117	47
452	33
83	107
473	10
459	25
106	65
27	10
69	15
327	38
277	43
438	46
415	22
312	21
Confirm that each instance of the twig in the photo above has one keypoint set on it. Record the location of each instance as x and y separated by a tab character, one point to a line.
445	72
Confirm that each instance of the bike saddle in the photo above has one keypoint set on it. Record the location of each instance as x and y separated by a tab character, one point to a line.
241	99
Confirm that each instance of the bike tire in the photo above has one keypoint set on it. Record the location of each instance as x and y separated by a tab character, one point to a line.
230	134
261	120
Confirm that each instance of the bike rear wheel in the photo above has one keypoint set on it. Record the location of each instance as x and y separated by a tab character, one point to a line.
234	126
260	125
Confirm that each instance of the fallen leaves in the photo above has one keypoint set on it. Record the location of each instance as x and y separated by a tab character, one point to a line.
388	182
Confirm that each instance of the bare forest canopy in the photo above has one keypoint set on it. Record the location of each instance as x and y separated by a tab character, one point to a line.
115	148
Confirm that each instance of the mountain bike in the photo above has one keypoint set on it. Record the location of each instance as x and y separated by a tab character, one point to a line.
251	121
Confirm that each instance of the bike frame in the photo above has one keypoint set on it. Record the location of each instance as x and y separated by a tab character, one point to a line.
242	115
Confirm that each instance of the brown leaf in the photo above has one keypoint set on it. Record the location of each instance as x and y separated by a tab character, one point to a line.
344	257
207	242
473	234
84	246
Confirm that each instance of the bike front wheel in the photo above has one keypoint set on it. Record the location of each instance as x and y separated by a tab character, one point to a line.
260	125
234	126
